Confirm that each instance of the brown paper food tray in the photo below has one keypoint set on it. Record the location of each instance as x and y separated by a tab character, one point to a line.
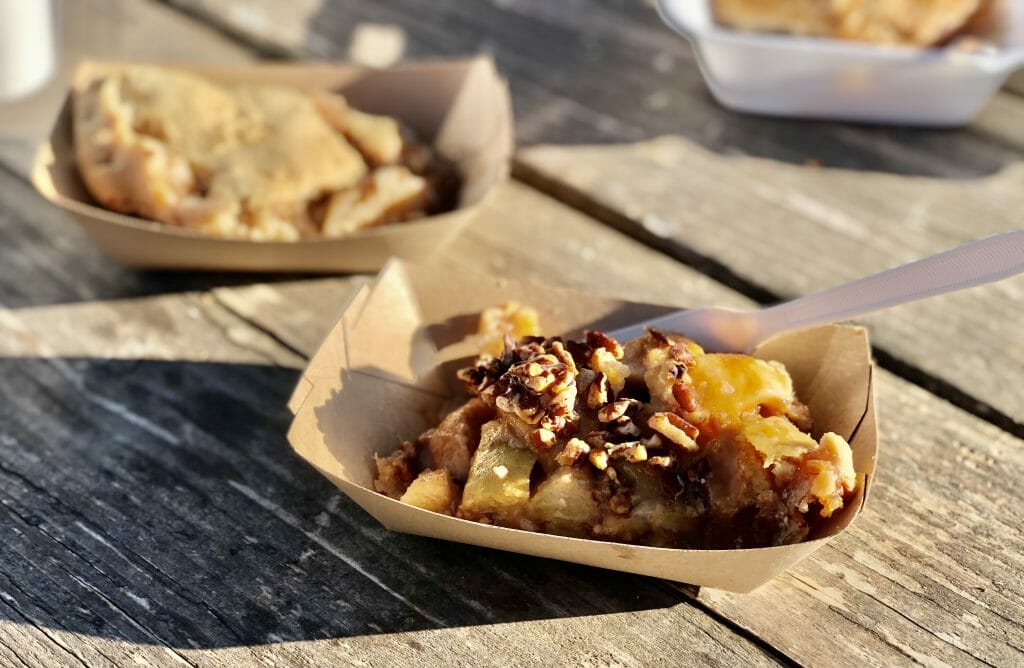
461	106
386	371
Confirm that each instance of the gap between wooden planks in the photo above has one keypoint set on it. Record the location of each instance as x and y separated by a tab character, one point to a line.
511	266
780	231
149	488
752	219
601	72
926	572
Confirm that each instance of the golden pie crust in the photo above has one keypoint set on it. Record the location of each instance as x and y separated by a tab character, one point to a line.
248	162
906	22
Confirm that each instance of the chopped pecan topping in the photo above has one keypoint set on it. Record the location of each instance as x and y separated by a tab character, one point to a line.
543	439
658	337
662	461
638	453
681	353
615	371
631	451
573	451
617	410
599	392
558	350
597	339
534	380
685	396
675	429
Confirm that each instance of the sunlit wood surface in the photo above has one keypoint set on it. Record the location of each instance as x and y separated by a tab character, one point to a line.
151	511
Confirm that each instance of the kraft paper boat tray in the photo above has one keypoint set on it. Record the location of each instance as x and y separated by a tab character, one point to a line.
386	372
461	106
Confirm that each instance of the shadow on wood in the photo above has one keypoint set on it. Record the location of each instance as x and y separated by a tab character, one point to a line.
47	259
158	502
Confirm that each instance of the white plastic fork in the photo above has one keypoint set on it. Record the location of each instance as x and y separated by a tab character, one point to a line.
728	330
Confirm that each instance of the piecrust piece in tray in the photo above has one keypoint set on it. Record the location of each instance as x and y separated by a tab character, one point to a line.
259	162
907	22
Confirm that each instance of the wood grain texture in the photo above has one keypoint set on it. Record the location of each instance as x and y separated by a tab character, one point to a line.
47	259
155	511
1015	84
180	520
930	573
937	555
594	72
786	231
151	512
171	482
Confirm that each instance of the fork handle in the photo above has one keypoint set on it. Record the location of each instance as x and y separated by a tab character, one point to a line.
983	261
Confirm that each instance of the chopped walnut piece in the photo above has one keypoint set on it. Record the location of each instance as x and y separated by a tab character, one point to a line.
528	381
601	340
631	451
543	439
675	429
598	393
558	350
648	453
638	453
615	371
685	396
662	461
681	353
573	451
617	410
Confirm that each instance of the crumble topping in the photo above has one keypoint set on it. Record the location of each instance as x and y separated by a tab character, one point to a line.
653	442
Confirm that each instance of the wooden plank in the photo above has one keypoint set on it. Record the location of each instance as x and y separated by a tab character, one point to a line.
521	233
165	507
1015	84
1002	120
785	231
152	502
593	72
298	313
938	554
47	258
138	454
152	328
929	573
24	645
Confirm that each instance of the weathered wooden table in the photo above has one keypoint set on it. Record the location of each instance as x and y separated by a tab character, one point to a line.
151	511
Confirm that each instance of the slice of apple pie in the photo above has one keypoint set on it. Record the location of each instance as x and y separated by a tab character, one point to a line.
257	162
654	442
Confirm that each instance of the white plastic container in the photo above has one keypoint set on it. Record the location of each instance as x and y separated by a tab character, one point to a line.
28	50
784	75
